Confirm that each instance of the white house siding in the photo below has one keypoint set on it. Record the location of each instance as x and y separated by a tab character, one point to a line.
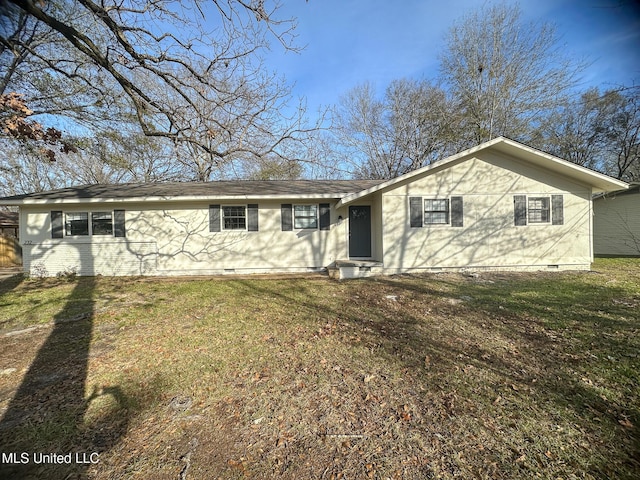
616	225
99	255
185	245
489	239
174	239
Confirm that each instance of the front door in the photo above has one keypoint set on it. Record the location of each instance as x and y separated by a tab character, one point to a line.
360	231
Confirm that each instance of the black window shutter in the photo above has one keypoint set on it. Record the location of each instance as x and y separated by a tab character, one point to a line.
57	230
415	211
546	210
118	224
520	210
325	216
557	210
214	218
287	216
456	212
252	217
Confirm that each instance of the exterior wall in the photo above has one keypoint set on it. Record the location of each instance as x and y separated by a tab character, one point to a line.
616	225
374	201
489	239
175	240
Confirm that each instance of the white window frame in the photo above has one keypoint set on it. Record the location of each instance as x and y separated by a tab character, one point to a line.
226	217
110	213
447	211
314	217
89	218
68	225
531	221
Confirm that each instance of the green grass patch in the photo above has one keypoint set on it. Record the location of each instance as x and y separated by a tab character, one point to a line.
440	376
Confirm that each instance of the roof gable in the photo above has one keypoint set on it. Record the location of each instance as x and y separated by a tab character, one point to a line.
598	181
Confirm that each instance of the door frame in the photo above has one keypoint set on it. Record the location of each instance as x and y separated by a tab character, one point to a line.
349	233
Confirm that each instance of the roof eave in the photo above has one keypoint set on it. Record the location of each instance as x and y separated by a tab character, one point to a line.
175	198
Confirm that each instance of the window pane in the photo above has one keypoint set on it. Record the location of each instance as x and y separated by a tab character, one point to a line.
305	216
305	222
234	218
101	223
436	211
539	209
435	217
437	205
77	223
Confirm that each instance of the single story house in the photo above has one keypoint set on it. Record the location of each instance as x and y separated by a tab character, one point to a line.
616	223
501	205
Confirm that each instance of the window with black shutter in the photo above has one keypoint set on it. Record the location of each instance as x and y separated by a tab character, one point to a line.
286	217
119	223
457	213
252	217
538	210
415	212
520	210
57	226
557	210
325	216
214	218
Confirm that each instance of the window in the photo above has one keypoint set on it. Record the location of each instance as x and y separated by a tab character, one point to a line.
234	218
77	224
305	216
436	211
541	210
101	223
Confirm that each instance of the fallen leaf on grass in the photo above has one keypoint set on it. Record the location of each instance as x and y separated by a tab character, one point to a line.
625	423
521	459
238	465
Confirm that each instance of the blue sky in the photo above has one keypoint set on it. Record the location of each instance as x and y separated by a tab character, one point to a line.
349	42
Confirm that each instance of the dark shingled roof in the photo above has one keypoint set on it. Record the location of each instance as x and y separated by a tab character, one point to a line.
249	188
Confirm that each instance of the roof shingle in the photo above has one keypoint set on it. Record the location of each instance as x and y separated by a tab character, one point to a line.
219	189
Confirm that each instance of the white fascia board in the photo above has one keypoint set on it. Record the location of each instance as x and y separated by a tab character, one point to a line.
173	199
599	182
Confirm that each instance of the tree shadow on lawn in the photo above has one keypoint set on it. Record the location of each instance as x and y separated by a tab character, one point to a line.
571	344
541	375
47	412
10	283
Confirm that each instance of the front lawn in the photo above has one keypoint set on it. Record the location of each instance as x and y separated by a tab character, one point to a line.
436	376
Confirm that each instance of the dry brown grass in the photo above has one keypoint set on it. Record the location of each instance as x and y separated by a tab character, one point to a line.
441	376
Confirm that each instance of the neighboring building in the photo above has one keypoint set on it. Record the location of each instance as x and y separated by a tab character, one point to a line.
616	224
10	251
501	205
9	224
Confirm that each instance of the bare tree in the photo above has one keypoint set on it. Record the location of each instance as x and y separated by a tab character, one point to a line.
577	131
599	131
189	71
504	74
387	137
